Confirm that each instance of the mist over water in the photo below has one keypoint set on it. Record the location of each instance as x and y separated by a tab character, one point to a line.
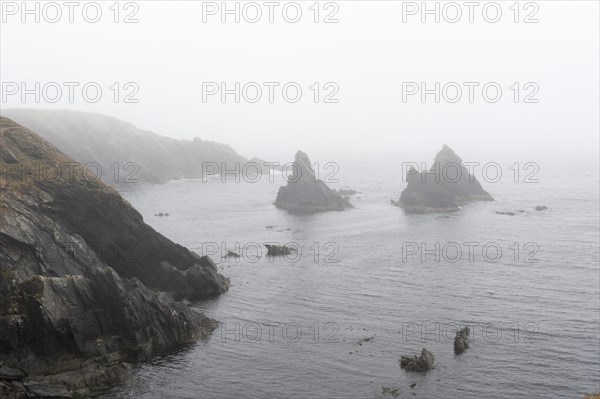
377	89
535	325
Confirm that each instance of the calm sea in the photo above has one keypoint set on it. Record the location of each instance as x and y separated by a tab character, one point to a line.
371	284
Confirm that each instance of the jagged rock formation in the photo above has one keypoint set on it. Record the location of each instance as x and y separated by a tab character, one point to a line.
126	154
419	364
305	193
461	340
279	250
82	276
443	188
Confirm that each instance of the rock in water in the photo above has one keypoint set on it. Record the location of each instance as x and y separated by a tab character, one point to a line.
443	188
279	250
541	208
82	277
461	341
305	194
421	363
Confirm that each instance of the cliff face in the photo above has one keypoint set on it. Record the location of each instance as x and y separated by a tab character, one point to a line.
443	188
304	193
141	155
81	275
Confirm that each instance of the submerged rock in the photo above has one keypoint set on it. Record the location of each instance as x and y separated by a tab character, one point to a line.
419	364
507	213
231	254
541	208
82	277
443	188
461	340
279	250
305	194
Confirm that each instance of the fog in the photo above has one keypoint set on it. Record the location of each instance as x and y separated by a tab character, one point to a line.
368	55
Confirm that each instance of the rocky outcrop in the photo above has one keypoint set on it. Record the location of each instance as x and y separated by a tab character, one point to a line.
444	188
305	193
126	155
461	340
82	277
420	363
279	250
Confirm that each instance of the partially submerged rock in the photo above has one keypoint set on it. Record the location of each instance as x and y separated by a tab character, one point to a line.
461	340
305	194
507	213
279	250
419	364
231	254
541	208
444	188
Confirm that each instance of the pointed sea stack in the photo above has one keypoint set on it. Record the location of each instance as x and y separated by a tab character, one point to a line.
443	188
305	194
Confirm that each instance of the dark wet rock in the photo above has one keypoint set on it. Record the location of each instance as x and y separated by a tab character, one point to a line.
232	254
444	188
541	208
46	391
279	250
461	340
305	194
9	374
507	213
420	363
160	214
83	278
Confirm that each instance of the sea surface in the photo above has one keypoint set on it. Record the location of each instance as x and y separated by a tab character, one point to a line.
370	285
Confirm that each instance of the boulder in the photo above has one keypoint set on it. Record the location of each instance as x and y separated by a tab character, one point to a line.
279	250
461	340
305	193
9	374
444	188
541	208
420	363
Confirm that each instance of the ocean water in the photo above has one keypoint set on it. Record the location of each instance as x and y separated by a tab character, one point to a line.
333	322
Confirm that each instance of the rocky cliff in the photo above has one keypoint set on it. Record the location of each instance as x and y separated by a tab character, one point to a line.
84	282
443	188
305	193
124	153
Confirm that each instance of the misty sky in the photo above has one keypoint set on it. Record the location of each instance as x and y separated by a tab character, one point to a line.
368	54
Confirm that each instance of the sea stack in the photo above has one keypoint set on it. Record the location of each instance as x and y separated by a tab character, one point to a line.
305	193
84	282
444	188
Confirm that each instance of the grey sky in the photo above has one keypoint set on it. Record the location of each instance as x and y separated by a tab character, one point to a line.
368	54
